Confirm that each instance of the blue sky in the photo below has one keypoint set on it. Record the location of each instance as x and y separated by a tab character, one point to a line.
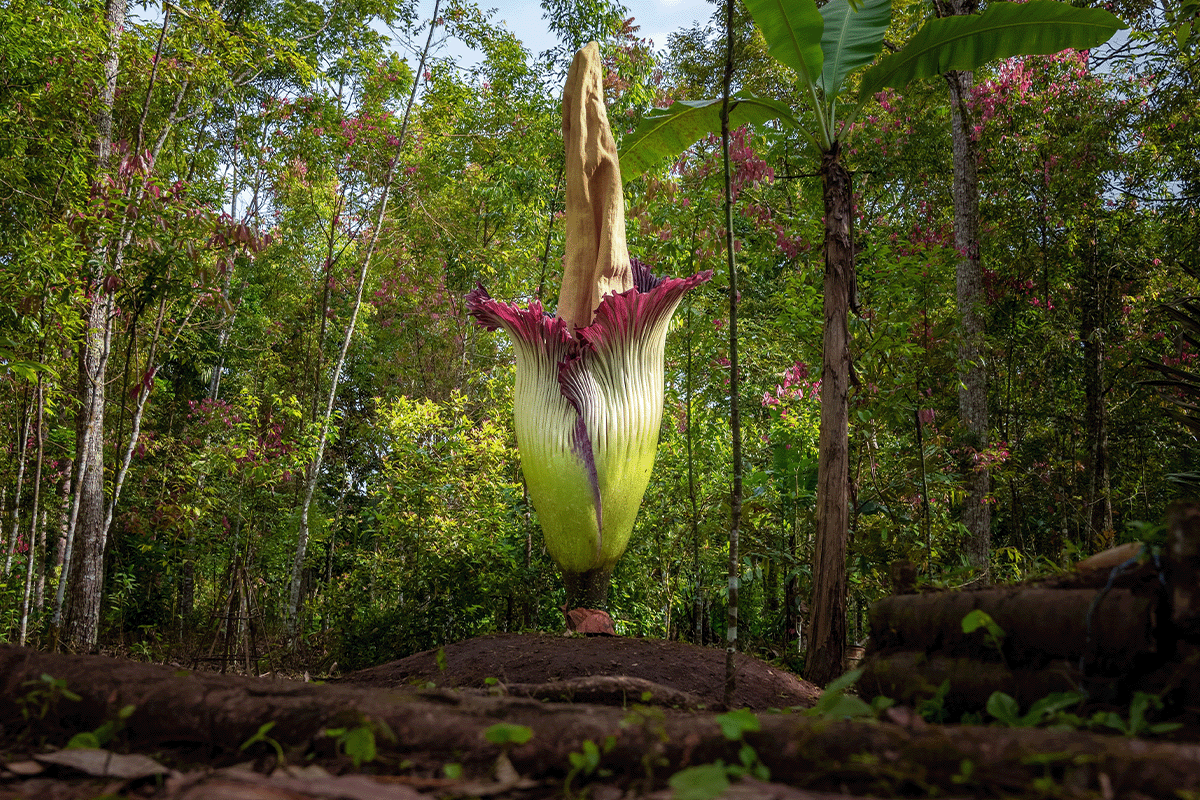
657	19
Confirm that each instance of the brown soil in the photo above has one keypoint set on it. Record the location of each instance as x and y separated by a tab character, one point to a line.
575	667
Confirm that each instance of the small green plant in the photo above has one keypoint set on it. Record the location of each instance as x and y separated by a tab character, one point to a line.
261	736
506	734
102	735
708	781
359	742
653	721
701	783
993	633
586	762
966	772
1137	725
43	695
453	770
1007	711
933	708
834	703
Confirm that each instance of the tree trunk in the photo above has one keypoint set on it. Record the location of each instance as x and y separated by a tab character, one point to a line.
1095	287
827	625
22	450
735	494
84	559
972	393
33	516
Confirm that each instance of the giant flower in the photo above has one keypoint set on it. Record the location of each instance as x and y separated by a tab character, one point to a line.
589	391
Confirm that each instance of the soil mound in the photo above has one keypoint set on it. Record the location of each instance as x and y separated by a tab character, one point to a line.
610	669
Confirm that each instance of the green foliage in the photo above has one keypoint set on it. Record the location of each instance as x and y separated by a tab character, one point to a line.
42	696
104	734
993	633
357	742
933	708
663	134
504	734
1137	724
737	723
260	736
702	782
967	42
1007	711
852	38
706	781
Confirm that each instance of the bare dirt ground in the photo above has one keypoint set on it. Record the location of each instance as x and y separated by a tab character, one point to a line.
591	669
607	718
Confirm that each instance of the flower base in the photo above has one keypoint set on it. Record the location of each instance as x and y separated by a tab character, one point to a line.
587	589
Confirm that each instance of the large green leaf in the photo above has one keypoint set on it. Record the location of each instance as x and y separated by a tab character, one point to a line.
852	39
667	133
1003	30
793	30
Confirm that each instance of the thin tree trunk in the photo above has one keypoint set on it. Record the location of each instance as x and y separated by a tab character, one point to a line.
697	602
83	561
84	557
735	495
972	393
827	625
33	517
39	594
22	453
315	467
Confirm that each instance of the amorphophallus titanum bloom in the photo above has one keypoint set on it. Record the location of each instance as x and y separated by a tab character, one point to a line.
589	392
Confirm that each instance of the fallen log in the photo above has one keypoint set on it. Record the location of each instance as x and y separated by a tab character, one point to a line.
1126	621
207	717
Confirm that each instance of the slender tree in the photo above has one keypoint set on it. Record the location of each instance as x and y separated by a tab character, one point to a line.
972	391
314	468
83	565
735	421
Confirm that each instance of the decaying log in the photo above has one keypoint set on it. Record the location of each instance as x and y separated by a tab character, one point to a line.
1040	625
909	677
1112	627
210	716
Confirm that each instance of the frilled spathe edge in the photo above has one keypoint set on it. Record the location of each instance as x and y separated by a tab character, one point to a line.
619	316
610	372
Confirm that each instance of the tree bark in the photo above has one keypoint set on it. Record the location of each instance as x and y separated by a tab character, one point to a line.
735	494
827	624
972	393
22	450
33	516
85	565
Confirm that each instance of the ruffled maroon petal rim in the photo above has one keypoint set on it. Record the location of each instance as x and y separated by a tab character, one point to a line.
530	324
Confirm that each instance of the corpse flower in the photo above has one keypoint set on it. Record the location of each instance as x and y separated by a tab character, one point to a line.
589	390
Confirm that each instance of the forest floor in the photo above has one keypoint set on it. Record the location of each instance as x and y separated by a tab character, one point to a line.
519	717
